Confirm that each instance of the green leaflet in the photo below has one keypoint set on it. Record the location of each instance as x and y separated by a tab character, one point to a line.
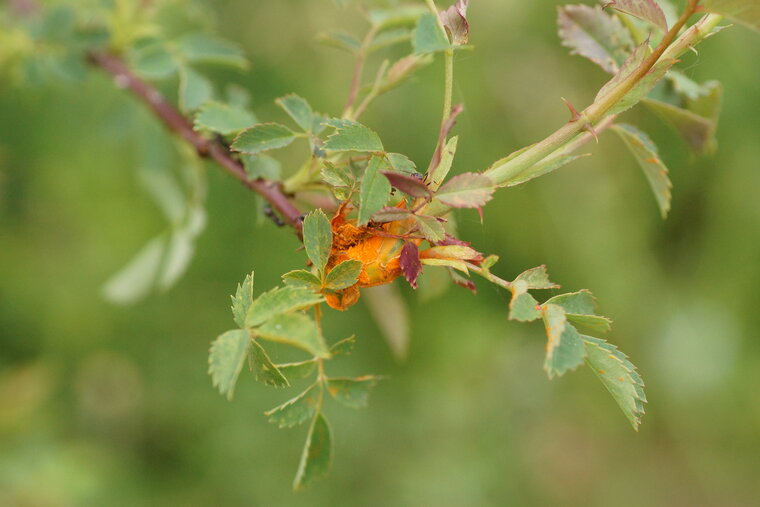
581	302
580	309
401	163
223	119
564	350
344	275
618	375
648	10
353	136
299	370
523	307
697	121
302	278
241	301
279	301
374	191
431	228
265	372
337	176
199	47
317	453
468	190
297	410
194	89
646	154
263	137
317	238
154	61
297	330
226	358
429	36
352	392
438	176
298	109
592	324
536	278
592	33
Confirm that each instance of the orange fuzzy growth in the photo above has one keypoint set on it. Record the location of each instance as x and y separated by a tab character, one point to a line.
374	245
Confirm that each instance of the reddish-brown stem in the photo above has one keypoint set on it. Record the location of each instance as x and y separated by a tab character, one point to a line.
206	148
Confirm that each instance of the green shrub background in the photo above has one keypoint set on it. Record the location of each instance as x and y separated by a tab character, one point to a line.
106	405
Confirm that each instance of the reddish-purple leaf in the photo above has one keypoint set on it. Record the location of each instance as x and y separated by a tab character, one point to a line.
409	185
451	240
455	21
391	214
410	262
468	190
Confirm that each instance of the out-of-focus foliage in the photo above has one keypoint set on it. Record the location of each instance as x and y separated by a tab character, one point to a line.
105	405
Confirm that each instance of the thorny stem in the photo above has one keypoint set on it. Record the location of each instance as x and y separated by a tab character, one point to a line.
205	148
597	111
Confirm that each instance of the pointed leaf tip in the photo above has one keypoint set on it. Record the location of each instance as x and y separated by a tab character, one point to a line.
410	262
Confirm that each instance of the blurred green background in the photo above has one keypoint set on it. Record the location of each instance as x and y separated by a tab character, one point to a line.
107	405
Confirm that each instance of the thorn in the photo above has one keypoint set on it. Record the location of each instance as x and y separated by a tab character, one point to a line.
480	212
693	50
574	114
608	4
591	129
